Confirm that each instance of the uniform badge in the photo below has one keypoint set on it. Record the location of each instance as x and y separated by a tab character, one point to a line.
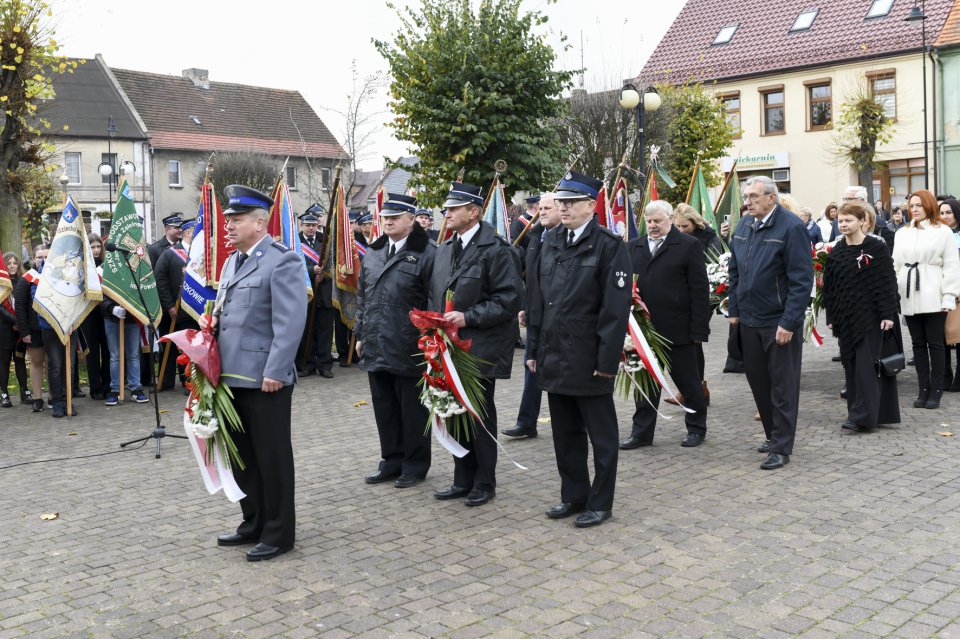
258	253
411	258
621	282
568	176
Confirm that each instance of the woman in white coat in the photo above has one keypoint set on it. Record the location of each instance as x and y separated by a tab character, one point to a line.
928	277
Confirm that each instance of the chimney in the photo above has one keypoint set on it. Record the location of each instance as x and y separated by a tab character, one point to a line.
199	77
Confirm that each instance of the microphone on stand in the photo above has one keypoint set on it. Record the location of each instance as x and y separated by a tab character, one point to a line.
119	249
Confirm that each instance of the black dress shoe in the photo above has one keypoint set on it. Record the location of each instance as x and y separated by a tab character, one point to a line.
775	460
632	442
79	393
857	428
933	401
692	439
454	492
520	431
343	363
911	362
564	509
836	358
843	393
234	539
262	552
379	477
306	373
479	497
326	374
406	481
764	447
592	518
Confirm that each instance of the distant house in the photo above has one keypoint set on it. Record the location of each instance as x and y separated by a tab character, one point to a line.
363	191
169	125
782	71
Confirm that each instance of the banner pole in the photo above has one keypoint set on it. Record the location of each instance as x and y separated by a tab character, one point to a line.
166	350
123	342
69	373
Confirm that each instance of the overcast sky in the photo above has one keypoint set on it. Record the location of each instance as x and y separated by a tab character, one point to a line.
308	45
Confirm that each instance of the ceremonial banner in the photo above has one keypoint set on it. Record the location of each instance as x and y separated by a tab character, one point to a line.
6	286
730	202
129	265
496	213
344	259
208	253
622	218
376	231
699	197
600	209
69	285
650	194
282	227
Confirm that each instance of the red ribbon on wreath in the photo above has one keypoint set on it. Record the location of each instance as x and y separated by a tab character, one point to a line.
431	320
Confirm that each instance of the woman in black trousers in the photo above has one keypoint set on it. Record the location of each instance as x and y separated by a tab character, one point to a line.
861	303
11	348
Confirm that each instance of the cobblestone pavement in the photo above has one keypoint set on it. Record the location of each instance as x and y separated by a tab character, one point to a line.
857	537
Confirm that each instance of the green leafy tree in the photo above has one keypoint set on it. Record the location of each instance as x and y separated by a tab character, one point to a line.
690	123
470	87
860	128
256	170
29	60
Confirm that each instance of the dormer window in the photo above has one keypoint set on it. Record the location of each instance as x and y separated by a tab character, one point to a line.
880	8
805	20
196	120
726	34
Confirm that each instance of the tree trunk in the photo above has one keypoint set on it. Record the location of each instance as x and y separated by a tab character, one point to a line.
11	238
866	180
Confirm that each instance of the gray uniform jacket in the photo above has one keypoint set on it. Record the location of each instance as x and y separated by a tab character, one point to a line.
262	310
487	290
389	289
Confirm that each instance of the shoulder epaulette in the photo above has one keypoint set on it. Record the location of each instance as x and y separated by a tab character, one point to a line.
280	247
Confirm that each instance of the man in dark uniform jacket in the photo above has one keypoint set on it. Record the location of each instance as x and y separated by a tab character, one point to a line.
319	357
425	219
169	274
523	221
532	396
483	273
171	235
672	282
394	279
260	309
577	323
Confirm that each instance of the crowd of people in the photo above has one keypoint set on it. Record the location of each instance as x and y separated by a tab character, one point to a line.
569	280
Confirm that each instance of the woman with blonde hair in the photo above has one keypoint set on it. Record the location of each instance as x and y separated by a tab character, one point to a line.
692	223
928	277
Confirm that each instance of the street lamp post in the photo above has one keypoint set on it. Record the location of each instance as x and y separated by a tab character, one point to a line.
917	15
107	169
649	100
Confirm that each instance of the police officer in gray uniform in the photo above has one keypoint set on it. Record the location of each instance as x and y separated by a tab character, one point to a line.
395	279
260	311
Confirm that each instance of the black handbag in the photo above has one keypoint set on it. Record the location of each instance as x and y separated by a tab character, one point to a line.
890	365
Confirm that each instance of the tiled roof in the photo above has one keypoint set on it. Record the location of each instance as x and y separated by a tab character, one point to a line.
950	34
763	42
84	100
231	116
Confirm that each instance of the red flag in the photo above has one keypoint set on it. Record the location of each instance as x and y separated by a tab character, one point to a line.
618	209
345	252
600	209
6	286
376	232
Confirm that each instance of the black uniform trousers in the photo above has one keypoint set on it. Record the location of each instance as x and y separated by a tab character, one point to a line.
343	337
863	384
574	419
773	373
268	479
401	424
685	371
98	354
532	395
56	356
319	356
478	469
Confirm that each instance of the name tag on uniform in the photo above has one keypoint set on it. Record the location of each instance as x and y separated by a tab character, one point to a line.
621	281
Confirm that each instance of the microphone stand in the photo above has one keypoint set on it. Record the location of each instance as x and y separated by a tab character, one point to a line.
159	432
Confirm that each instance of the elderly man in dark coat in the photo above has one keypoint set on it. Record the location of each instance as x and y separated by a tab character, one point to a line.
577	321
394	279
672	282
483	272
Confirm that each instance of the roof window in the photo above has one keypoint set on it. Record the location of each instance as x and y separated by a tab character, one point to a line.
805	20
726	34
880	8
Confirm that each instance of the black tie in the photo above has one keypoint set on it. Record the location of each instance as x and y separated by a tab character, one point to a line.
392	251
240	260
570	237
458	250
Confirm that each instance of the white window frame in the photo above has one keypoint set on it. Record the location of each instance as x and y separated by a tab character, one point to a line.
179	181
880	8
726	33
291	171
79	167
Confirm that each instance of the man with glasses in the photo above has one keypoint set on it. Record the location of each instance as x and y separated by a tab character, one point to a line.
770	282
580	287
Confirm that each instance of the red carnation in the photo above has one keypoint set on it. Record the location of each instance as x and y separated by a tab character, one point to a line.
721	288
182	359
818	266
